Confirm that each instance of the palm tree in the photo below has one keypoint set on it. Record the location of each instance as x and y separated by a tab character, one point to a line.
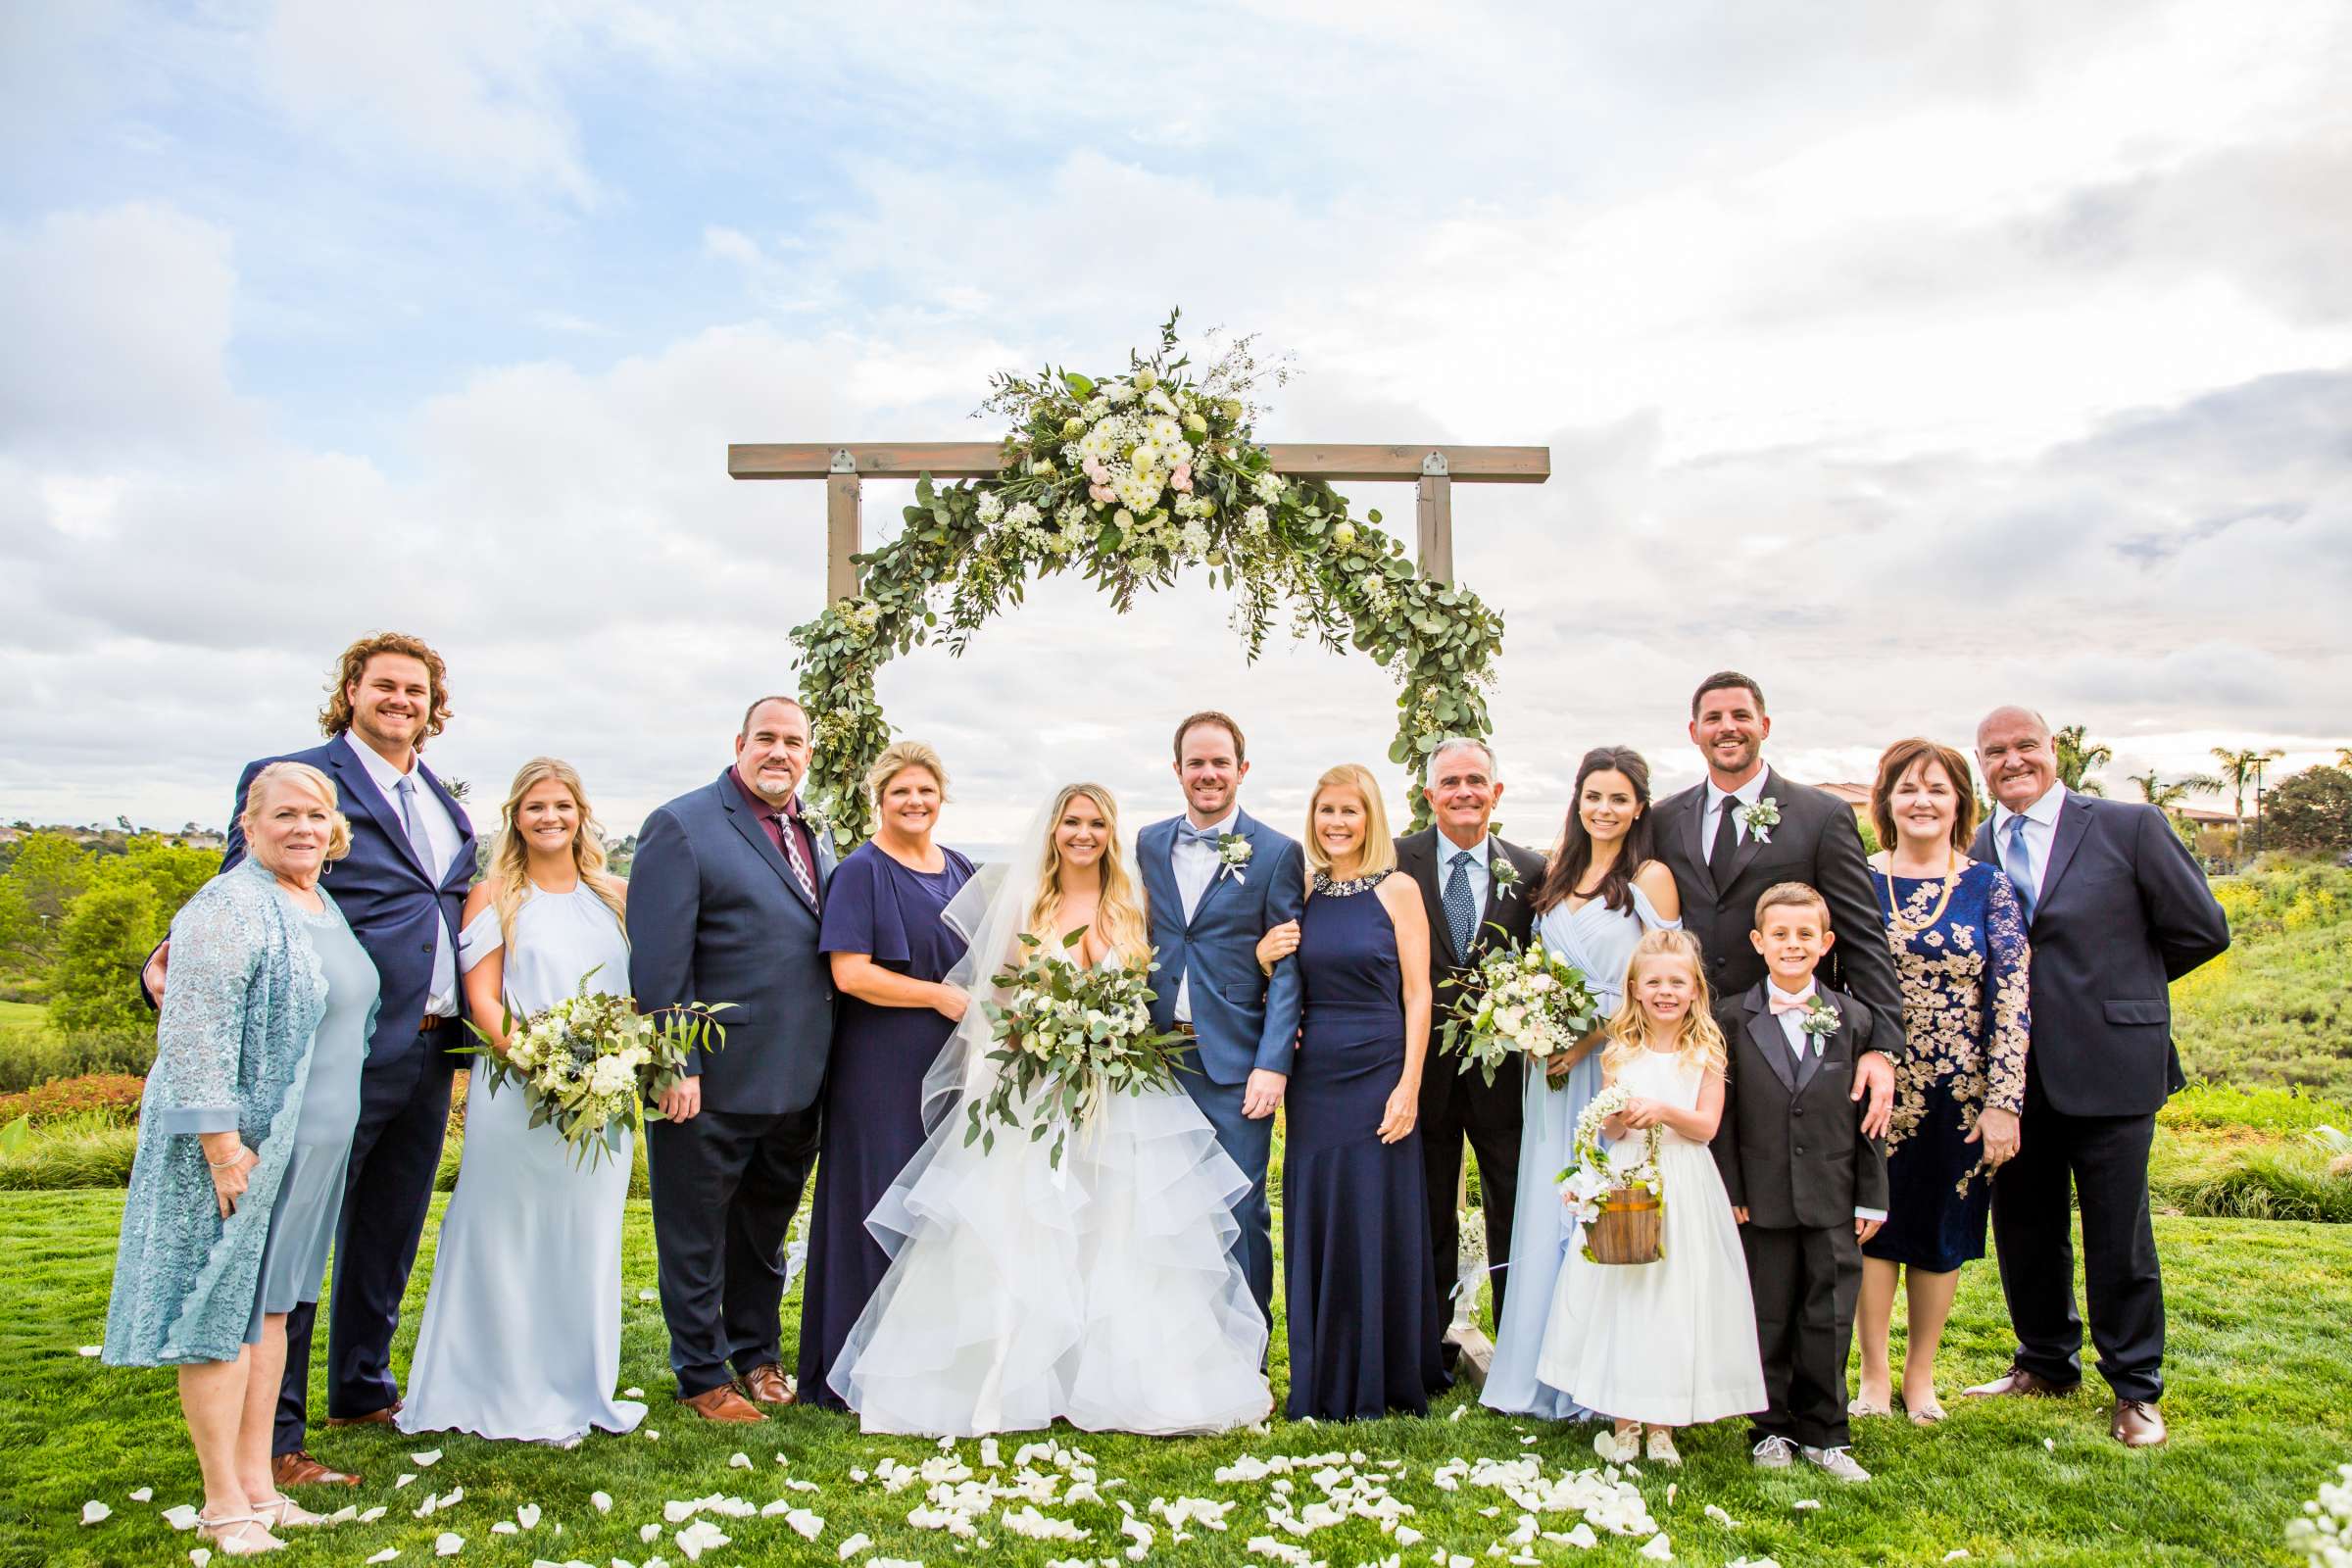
2078	757
2169	796
2238	770
2343	757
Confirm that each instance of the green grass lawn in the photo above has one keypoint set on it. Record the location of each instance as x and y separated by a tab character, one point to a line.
19	1018
2261	1405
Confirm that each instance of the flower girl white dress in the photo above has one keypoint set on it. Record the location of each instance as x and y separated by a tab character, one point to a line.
1671	1343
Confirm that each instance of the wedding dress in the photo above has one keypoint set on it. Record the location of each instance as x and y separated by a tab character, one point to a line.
1102	1291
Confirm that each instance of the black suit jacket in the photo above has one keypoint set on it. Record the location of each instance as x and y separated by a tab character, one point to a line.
1816	843
1506	917
717	916
2124	911
1790	1146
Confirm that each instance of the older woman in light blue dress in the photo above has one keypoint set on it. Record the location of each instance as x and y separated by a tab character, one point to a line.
1600	893
521	1332
244	1131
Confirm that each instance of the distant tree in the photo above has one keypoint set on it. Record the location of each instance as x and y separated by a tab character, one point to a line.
2344	759
49	872
2310	811
2079	757
2239	768
2169	797
107	935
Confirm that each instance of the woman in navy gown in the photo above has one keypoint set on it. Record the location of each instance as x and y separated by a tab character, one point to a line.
1357	1268
1959	941
890	951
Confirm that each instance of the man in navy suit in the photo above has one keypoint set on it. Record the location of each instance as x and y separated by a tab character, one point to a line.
1217	880
725	903
2116	910
402	887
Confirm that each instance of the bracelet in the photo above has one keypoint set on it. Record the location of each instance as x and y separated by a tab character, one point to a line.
224	1164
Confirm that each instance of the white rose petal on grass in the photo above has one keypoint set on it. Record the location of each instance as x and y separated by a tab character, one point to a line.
632	1394
371	1515
448	1544
143	1495
1583	1538
1955	1554
651	1436
96	1512
89	1350
425	1460
1721	1518
200	1555
385	1555
739	1461
648	1534
401	1482
1806	1502
698	1537
649	1296
601	1502
1658	1548
504	1527
181	1517
2051	1443
527	1516
807	1524
851	1548
344	1515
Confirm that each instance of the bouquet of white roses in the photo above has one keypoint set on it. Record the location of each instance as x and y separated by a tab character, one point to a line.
1067	1036
1615	1184
1520	1002
593	1062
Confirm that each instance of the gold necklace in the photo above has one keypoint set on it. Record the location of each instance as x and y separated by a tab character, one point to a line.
1905	928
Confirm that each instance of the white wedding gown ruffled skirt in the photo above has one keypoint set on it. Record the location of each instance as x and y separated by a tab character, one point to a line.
1102	1293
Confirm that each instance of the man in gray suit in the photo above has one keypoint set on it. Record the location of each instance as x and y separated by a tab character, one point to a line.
724	902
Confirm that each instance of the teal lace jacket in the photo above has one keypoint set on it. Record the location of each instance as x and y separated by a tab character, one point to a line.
232	1050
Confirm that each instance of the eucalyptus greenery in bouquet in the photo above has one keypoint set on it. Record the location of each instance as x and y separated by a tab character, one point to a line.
1520	1002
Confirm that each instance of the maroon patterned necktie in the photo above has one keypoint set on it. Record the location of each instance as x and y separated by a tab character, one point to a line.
788	837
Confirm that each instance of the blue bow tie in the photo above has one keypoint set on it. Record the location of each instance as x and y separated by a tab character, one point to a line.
1186	833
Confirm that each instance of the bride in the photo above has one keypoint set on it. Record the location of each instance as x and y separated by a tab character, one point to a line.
1102	1293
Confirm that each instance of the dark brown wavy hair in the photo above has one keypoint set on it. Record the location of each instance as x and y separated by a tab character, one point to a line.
335	717
1572	857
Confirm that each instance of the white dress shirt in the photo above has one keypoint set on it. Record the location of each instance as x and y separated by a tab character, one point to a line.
1801	1046
1747	793
441	999
1197	865
2041	834
1480	867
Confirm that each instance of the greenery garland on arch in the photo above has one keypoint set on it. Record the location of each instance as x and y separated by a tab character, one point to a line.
1129	479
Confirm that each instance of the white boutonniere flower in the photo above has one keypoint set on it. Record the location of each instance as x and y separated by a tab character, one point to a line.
1761	818
1233	854
1821	1021
1505	875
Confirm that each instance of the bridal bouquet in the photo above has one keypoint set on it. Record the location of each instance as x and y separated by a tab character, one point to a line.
1521	1002
1067	1036
593	1062
1617	1195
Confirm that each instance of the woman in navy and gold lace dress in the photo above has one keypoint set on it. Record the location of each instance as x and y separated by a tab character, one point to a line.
1959	941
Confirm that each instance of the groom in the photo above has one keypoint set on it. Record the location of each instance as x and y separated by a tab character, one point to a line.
1217	881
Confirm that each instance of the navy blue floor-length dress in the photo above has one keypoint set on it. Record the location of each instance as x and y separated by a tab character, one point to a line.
873	1120
1357	1269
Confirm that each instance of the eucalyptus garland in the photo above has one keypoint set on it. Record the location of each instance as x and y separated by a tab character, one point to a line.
1129	479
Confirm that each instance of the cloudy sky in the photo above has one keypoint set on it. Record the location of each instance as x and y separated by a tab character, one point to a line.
1913	357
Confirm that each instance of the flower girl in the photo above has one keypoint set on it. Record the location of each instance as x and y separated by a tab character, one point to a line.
1671	1343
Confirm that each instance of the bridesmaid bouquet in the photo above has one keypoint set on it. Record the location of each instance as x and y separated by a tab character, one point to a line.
593	1062
1067	1035
1520	1002
1620	1202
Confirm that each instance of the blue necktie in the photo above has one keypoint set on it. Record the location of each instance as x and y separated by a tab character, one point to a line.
419	839
2017	859
1461	913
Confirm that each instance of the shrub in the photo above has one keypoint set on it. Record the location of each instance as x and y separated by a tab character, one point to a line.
113	1096
108	933
86	1150
30	1059
2288	1109
2310	811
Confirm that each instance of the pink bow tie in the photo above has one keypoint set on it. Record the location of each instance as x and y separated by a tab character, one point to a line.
1781	1003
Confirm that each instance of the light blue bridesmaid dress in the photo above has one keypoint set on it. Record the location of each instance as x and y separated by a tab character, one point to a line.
521	1335
1597	940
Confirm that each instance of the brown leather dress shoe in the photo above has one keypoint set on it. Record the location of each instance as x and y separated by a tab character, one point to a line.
721	1403
2137	1424
374	1418
299	1469
767	1385
2018	1382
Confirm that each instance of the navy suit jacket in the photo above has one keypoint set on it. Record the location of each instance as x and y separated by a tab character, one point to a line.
1244	1020
382	889
717	916
2124	911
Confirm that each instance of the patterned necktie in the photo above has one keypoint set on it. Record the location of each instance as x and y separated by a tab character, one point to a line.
2017	859
414	826
790	840
1461	910
1726	842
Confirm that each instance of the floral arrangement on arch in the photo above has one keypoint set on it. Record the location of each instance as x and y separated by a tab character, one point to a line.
1129	479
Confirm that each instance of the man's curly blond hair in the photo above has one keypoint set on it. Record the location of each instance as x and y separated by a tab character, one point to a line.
335	717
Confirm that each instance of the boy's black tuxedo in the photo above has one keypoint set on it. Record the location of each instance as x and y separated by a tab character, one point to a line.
1791	1153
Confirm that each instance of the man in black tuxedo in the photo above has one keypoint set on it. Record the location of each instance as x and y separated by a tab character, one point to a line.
2115	910
1747	830
1471	905
724	898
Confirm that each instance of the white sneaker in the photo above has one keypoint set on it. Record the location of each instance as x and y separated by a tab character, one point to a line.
1775	1453
1661	1446
1839	1462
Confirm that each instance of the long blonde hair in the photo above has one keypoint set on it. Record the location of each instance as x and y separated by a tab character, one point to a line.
1698	1042
1378	852
1119	908
509	862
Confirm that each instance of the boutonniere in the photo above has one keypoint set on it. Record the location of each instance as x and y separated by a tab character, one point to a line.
1233	854
819	824
1761	818
1821	1021
457	788
1504	874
